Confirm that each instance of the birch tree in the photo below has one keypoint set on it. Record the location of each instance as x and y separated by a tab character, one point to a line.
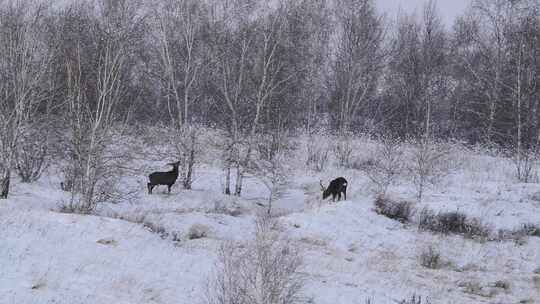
231	45
94	95
498	55
481	53
24	62
524	33
250	71
358	63
181	60
417	81
269	76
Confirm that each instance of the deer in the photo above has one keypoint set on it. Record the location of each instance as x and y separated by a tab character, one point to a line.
335	188
164	178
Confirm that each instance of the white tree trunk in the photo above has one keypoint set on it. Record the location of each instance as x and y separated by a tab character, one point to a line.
5	176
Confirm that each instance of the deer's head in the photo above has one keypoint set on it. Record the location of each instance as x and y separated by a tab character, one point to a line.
325	192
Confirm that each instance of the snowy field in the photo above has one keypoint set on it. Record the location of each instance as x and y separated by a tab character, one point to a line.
143	250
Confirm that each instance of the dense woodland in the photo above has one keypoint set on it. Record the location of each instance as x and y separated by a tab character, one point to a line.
75	76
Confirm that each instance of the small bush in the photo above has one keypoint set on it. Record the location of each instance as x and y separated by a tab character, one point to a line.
155	228
32	156
428	220
536	281
385	164
317	155
519	235
399	211
430	258
505	285
535	196
531	230
415	300
76	207
221	208
475	288
264	270
452	222
429	165
343	153
197	231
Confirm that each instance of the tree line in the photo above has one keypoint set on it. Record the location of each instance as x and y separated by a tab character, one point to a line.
257	71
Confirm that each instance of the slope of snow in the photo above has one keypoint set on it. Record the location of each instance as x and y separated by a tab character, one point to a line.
141	251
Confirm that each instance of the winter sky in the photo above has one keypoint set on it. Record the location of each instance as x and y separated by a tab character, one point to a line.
448	9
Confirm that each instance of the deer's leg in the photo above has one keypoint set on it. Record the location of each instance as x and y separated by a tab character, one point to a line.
345	193
169	189
339	196
149	188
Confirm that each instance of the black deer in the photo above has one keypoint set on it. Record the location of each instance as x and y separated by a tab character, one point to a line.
163	178
335	188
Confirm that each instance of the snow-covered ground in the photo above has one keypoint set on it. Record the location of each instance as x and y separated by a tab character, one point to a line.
141	251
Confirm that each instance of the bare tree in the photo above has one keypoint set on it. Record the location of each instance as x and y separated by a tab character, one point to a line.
231	44
269	165
269	79
93	97
417	81
481	50
309	28
429	164
317	154
386	164
433	53
497	47
24	62
358	63
250	72
524	33
181	60
32	156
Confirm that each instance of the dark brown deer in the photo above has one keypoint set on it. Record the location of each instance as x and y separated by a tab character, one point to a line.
335	188
163	178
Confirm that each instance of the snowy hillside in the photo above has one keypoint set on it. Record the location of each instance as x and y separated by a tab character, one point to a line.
163	248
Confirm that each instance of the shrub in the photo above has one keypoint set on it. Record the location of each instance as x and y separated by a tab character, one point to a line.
76	208
155	228
317	155
32	155
531	230
385	164
262	271
428	165
221	208
526	161
519	234
399	211
452	222
428	220
475	288
197	231
505	285
343	152
415	300
430	258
